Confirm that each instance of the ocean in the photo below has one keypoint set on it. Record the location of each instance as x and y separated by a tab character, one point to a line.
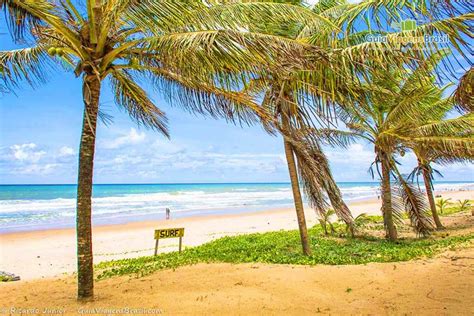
38	207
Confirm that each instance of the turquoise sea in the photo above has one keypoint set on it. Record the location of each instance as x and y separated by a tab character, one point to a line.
34	207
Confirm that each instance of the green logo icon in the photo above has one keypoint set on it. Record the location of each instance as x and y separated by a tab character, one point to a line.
408	25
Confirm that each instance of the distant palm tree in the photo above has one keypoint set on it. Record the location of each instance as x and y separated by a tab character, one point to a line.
191	50
452	130
391	116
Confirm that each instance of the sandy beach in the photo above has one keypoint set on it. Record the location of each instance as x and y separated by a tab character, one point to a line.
49	253
442	285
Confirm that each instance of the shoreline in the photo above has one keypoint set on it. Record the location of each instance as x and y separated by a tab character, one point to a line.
49	253
29	212
215	214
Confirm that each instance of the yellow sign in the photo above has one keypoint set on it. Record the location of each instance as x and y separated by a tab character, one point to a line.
169	233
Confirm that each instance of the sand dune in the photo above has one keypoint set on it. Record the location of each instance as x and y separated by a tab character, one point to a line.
439	286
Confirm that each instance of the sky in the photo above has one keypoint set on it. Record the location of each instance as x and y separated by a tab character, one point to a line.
40	131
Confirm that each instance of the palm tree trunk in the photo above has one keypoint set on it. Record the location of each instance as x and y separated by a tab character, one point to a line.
387	210
290	159
85	269
431	200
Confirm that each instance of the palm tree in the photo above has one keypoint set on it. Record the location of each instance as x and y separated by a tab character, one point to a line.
284	101
286	95
392	118
292	99
189	48
296	98
436	114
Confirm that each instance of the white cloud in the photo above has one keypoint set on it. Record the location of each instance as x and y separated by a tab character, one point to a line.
37	169
66	151
27	152
170	159
355	154
133	137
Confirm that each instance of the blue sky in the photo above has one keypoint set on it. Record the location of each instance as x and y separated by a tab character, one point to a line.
39	140
40	130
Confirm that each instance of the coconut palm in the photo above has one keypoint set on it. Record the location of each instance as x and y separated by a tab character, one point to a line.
285	100
392	118
191	50
286	95
297	98
436	116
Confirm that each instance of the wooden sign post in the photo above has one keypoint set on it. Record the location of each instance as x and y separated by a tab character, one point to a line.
169	233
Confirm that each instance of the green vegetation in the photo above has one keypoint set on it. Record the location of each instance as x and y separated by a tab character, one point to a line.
283	247
8	277
442	205
4	278
451	208
364	221
464	205
325	221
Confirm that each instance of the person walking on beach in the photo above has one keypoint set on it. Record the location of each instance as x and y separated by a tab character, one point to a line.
168	212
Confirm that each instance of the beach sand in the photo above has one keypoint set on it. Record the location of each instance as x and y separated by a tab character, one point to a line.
438	286
48	253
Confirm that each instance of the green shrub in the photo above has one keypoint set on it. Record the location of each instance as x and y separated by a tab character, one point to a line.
283	247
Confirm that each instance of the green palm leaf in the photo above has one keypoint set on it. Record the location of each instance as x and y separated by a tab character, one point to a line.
130	96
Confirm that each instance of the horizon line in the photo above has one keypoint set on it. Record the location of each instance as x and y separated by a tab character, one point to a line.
198	183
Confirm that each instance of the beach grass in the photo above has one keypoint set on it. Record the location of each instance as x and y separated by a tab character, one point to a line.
283	247
375	221
453	209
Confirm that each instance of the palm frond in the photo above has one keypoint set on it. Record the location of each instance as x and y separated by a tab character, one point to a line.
464	94
463	125
204	98
316	175
415	204
22	16
447	144
129	95
29	64
335	137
